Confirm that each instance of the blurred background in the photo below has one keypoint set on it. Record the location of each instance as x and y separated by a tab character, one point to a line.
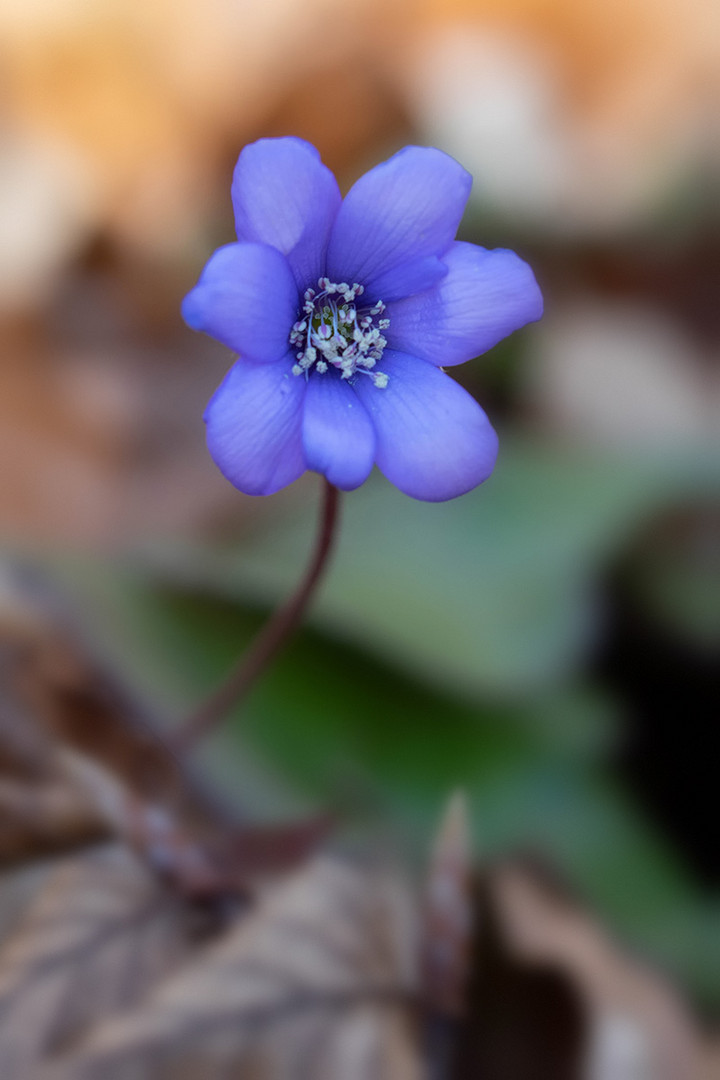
546	642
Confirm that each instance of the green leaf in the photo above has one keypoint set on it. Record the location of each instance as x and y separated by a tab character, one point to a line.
493	593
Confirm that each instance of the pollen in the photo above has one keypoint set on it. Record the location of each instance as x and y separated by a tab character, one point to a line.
336	332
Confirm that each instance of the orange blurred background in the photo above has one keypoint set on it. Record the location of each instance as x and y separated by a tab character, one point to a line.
582	123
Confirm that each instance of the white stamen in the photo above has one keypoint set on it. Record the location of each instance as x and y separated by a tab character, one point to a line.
333	332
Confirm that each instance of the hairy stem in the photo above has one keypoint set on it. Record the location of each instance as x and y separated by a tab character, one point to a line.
271	639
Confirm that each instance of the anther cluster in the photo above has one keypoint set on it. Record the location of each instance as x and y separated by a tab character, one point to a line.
334	331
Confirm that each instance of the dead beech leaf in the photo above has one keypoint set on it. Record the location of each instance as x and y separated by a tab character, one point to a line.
313	984
56	687
43	806
639	1024
257	851
45	816
25	749
80	761
710	1060
98	933
18	885
523	1020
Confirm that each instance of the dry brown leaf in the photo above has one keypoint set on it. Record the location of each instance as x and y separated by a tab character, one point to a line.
63	694
43	806
18	886
710	1060
25	750
314	984
262	851
316	979
640	1025
522	1021
44	816
80	760
97	935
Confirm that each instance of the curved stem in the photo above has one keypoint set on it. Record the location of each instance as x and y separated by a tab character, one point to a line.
271	638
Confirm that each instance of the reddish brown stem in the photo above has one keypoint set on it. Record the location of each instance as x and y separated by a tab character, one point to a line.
271	639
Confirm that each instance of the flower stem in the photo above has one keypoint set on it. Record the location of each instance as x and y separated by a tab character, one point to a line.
271	639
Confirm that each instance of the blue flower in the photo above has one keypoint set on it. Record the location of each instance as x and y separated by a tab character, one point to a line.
344	313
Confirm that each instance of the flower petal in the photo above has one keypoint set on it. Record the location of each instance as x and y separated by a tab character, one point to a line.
284	196
404	209
338	436
485	296
254	426
434	442
406	280
246	298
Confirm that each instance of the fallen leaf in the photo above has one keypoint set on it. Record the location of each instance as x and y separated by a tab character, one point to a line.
266	850
315	983
81	759
97	935
63	693
522	1021
638	1024
43	807
45	816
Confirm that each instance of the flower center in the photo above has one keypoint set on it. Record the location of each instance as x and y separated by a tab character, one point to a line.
335	331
